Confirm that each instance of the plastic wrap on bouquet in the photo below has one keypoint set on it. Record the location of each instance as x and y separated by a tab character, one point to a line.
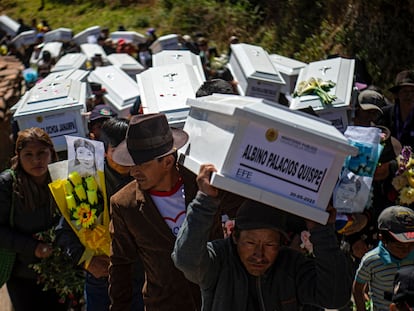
81	195
352	193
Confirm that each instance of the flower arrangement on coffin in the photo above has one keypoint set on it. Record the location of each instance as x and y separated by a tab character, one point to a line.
318	87
403	182
59	273
82	201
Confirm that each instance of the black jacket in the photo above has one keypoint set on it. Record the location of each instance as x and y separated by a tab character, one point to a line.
22	237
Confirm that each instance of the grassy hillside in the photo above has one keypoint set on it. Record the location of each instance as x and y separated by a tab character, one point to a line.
378	32
79	16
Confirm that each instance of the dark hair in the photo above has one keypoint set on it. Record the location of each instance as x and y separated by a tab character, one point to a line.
46	56
33	134
236	234
214	86
25	188
113	131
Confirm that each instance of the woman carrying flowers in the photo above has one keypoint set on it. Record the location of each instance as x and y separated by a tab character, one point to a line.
34	212
83	231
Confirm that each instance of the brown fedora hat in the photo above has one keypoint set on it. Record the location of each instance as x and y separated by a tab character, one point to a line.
404	78
148	137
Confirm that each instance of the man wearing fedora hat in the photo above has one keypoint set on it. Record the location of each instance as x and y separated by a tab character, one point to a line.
400	118
147	214
254	269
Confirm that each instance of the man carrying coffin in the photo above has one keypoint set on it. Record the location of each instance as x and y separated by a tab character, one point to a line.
252	269
147	214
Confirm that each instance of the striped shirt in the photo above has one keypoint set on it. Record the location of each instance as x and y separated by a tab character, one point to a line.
378	268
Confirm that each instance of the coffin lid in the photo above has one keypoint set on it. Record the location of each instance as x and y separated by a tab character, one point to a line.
255	62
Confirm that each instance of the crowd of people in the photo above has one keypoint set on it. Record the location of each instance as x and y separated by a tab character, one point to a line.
169	247
197	43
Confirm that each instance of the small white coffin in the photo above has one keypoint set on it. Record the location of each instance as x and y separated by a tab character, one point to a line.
87	35
92	49
55	107
9	25
127	63
340	71
121	90
73	74
167	88
128	36
167	42
70	61
177	57
24	38
256	76
55	49
266	152
289	68
59	34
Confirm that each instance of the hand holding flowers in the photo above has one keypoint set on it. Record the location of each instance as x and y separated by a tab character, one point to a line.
403	181
82	201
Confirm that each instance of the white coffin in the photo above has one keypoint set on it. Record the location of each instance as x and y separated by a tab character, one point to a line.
82	37
127	63
55	107
128	36
55	49
24	38
177	57
339	70
167	88
72	74
266	152
9	25
59	34
167	42
71	61
121	90
256	76
92	49
289	68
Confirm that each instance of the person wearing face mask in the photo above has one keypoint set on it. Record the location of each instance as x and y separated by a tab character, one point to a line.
378	266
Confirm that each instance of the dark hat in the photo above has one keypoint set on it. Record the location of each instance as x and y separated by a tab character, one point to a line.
404	286
255	215
404	78
369	99
149	137
399	222
102	112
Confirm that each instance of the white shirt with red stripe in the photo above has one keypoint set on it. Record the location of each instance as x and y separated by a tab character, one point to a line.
171	205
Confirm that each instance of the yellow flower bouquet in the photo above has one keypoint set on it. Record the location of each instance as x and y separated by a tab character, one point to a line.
83	203
403	182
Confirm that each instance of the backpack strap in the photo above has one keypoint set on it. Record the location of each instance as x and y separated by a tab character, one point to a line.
11	218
